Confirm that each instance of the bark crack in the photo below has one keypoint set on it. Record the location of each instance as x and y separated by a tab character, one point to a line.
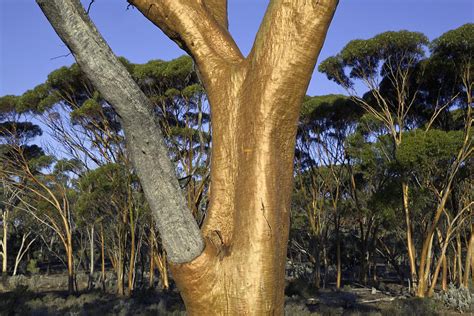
266	220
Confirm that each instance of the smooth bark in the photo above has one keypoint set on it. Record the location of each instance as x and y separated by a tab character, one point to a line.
409	235
469	259
4	241
255	103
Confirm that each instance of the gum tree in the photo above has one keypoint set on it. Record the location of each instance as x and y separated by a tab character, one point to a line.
235	263
385	65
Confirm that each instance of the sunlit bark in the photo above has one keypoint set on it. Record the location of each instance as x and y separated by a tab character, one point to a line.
469	259
4	241
255	103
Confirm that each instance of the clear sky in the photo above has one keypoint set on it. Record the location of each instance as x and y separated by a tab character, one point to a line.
28	44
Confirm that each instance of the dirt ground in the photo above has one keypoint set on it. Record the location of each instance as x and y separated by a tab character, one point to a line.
351	300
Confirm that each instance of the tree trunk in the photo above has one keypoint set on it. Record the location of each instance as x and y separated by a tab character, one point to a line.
21	252
469	259
444	277
459	253
160	262
338	255
4	241
255	103
326	266
409	235
91	264
317	261
102	256
70	265
131	265
151	245
120	272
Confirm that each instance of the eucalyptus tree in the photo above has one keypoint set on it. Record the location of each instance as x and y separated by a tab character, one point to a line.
426	155
15	132
455	49
88	130
407	91
385	65
325	123
236	264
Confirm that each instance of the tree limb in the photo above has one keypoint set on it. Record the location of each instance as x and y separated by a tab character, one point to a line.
197	26
178	229
291	35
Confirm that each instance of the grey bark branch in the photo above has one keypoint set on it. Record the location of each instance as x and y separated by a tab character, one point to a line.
180	234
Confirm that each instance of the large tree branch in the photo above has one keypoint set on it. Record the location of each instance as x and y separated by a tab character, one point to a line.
197	26
180	234
218	9
290	38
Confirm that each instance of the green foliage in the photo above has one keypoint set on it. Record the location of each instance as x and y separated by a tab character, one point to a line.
19	130
8	105
100	189
428	151
38	160
89	109
176	73
32	266
456	45
375	56
37	100
330	111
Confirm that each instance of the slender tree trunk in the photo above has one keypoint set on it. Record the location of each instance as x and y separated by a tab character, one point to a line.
160	262
364	266
409	235
70	265
444	277
425	266
120	270
151	244
102	256
326	266
22	251
317	261
459	253
91	264
338	255
131	265
469	259
5	241
455	265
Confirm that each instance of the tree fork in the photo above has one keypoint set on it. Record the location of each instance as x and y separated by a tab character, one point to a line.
255	103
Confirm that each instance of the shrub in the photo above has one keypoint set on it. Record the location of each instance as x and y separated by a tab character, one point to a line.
459	298
32	266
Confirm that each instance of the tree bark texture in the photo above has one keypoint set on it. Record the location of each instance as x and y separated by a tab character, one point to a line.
178	229
255	103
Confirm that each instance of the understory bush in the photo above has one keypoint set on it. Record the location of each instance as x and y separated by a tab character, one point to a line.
459	298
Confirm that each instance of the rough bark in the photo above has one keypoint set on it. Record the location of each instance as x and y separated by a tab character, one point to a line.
255	103
180	233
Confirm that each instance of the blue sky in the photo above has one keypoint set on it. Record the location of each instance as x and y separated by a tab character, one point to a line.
28	44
